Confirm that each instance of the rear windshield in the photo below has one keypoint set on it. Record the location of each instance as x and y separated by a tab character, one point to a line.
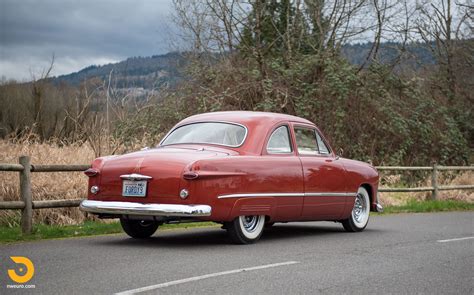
227	134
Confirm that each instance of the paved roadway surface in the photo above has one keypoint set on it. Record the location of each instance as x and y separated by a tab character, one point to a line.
395	254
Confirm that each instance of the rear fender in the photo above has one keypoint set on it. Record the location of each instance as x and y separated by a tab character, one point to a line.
253	206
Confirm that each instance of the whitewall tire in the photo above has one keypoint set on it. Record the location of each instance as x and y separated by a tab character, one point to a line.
359	217
246	229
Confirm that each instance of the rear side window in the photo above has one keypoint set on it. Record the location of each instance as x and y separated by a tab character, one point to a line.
306	141
279	142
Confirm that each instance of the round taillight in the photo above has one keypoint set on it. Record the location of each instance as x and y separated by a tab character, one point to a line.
184	193
94	189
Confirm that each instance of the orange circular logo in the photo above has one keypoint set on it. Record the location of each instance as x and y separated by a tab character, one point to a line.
30	270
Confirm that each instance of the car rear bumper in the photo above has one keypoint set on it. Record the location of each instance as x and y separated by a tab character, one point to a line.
131	208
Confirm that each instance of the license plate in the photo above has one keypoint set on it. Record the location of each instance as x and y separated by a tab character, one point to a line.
132	188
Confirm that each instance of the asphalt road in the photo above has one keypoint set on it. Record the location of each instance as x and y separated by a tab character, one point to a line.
396	254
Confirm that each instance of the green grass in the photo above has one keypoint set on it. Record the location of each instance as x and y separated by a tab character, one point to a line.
89	228
414	206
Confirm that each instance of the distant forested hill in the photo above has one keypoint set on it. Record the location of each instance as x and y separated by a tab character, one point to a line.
134	72
158	70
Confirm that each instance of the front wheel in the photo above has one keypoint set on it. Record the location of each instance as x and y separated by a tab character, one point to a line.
360	213
246	229
139	229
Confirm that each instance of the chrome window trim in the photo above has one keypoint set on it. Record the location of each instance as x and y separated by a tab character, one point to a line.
197	122
257	195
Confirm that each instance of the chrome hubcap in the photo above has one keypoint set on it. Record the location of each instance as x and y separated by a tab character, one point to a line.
250	223
360	208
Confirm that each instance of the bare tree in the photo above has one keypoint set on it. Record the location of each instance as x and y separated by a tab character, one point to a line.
441	25
38	89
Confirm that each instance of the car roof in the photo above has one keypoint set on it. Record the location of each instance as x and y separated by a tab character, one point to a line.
245	117
258	125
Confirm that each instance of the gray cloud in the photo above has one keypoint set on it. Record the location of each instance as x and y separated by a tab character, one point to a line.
78	33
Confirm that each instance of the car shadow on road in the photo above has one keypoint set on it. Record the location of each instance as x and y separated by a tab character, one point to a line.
309	231
189	238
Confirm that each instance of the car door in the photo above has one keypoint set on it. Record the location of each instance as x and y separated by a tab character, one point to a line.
279	151
324	176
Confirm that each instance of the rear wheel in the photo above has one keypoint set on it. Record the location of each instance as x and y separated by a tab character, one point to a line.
246	229
139	229
360	212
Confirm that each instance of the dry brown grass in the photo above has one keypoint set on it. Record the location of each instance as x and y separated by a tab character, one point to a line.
45	186
73	185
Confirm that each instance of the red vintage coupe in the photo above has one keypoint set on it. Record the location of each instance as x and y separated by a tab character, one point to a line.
245	170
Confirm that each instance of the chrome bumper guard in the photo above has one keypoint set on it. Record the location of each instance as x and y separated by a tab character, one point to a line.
378	208
130	208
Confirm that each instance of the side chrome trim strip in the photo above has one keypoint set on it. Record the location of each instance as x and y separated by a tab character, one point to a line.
330	194
257	195
261	195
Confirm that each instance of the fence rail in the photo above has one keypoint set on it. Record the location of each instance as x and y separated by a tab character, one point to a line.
434	188
26	204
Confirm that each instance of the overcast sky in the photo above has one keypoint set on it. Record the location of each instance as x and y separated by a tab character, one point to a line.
78	33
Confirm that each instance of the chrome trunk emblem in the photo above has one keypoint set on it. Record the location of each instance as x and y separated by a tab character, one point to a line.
135	176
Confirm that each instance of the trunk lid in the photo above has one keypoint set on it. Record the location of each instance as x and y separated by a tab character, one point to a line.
164	164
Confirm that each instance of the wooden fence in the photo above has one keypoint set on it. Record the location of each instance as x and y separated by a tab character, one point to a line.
26	203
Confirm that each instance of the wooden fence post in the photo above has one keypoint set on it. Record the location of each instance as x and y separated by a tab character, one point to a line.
434	182
25	195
